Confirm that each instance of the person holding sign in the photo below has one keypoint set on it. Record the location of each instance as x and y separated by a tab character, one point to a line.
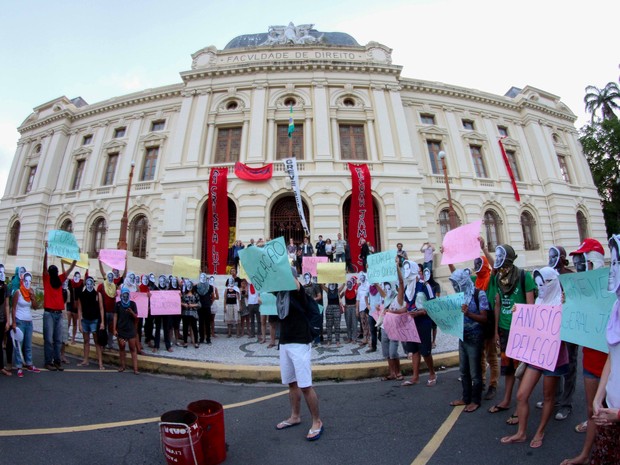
549	293
513	286
606	403
54	304
475	307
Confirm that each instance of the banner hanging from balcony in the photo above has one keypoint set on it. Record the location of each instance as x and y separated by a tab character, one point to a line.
509	168
263	173
217	229
361	215
290	165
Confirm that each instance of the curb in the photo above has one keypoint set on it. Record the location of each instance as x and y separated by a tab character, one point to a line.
257	373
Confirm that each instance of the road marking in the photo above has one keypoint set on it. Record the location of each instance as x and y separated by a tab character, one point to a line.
431	447
118	424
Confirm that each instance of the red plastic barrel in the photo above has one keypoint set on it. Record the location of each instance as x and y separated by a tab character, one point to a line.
211	419
181	436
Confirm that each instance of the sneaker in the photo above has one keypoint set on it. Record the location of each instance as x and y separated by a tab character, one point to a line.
50	367
58	366
539	404
563	413
20	373
490	393
33	369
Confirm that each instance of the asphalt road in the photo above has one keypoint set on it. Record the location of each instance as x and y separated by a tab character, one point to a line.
366	422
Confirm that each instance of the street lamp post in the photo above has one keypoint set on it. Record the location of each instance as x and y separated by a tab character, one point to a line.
122	237
451	212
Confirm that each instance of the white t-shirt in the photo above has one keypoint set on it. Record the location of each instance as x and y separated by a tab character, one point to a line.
362	292
22	312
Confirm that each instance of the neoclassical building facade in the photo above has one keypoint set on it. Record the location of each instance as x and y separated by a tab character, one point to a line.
349	103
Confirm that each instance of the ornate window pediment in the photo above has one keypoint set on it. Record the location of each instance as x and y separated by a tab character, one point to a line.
153	139
510	142
431	132
114	146
82	153
475	137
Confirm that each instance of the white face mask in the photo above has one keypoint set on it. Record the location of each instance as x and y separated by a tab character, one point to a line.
427	275
203	278
152	278
614	271
540	282
212	280
132	278
2	275
110	277
500	257
27	281
76	278
162	281
145	280
406	269
90	285
554	257
125	298
22	272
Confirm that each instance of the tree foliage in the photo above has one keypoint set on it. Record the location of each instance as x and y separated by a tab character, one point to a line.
604	98
601	146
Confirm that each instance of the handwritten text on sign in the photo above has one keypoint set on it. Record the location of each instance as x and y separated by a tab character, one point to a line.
587	308
535	335
400	327
382	267
446	313
62	244
165	303
268	267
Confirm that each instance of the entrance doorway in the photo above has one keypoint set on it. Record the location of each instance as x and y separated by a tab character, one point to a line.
285	220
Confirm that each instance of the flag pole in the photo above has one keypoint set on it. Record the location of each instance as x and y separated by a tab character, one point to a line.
291	130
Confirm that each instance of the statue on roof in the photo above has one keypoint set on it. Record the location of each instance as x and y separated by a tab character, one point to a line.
290	34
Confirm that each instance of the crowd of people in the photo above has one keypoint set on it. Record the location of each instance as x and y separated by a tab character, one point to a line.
491	287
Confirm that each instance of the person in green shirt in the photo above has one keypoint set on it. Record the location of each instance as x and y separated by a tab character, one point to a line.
513	286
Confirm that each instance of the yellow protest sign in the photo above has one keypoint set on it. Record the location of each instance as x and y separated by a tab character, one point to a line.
82	262
184	267
331	273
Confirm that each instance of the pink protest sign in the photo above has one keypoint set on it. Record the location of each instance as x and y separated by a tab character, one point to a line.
400	327
461	244
165	303
113	258
308	265
535	335
142	302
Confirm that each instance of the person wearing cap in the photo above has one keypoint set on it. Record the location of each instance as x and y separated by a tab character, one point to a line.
296	357
589	256
513	286
91	318
54	304
125	317
606	403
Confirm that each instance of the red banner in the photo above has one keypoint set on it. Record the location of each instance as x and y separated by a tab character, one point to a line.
217	229
361	216
243	171
510	173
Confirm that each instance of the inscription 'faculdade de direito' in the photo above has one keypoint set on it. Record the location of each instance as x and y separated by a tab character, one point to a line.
291	55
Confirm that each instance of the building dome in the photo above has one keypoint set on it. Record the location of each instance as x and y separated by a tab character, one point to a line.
296	35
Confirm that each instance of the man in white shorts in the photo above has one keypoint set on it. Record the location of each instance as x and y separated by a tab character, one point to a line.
295	358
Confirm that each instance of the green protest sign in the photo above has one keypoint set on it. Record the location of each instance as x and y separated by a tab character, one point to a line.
586	309
268	267
382	267
62	244
446	313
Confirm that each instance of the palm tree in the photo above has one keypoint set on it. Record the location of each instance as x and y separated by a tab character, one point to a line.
605	99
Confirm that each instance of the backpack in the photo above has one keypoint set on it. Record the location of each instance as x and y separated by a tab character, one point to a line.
314	317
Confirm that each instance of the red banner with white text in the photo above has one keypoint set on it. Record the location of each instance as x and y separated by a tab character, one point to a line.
263	173
361	215
509	169
217	229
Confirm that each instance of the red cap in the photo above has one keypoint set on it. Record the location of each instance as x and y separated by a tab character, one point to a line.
589	245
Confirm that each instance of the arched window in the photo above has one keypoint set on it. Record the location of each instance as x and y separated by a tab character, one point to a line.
14	238
139	232
98	231
582	226
528	226
67	225
492	224
444	222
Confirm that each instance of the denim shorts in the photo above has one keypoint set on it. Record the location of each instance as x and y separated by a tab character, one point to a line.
89	326
589	374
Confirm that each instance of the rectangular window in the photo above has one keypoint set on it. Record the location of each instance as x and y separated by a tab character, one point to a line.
228	145
77	176
564	168
512	159
283	149
352	142
427	119
503	131
87	140
478	160
30	182
468	124
150	163
158	125
434	147
120	132
110	169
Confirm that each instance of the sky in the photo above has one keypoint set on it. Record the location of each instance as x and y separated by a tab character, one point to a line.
103	49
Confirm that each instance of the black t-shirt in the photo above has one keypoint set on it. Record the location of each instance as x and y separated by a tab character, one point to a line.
90	305
125	322
332	297
295	329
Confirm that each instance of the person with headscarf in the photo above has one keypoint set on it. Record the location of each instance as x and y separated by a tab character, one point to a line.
295	358
54	304
350	302
549	293
513	286
125	316
91	317
606	403
475	308
589	256
24	302
231	309
5	324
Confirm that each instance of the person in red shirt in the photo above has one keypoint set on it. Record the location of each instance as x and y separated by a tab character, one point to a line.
54	304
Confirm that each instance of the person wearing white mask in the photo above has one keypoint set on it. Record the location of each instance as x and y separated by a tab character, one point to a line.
23	303
91	317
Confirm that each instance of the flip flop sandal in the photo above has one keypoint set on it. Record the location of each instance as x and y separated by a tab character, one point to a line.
497	409
512	420
285	424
